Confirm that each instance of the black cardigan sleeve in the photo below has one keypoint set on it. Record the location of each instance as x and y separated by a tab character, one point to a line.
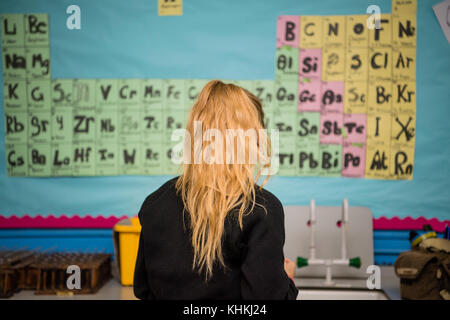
263	271
140	283
141	286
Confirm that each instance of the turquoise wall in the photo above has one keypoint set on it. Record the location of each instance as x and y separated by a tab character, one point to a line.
229	40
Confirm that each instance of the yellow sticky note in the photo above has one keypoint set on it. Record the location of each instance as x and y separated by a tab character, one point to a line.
404	64
333	63
355	97
379	96
404	30
357	64
404	97
311	31
404	6
170	7
381	37
380	63
378	129
334	30
401	162
357	33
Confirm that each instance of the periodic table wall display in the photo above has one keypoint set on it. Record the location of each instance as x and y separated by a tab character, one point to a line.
343	99
347	94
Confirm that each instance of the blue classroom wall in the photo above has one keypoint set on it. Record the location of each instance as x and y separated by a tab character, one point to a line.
83	240
228	40
387	244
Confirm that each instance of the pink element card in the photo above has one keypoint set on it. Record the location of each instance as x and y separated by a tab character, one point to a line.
288	28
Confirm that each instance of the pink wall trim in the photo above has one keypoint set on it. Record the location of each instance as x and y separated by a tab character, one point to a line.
60	222
408	223
102	222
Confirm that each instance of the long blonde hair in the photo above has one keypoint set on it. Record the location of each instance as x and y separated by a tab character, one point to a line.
211	190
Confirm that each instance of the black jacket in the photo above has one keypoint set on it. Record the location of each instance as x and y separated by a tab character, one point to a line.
253	256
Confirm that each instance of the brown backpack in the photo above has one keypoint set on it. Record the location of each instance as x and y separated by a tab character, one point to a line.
424	273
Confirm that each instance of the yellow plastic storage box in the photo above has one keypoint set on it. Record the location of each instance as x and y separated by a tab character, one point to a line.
126	243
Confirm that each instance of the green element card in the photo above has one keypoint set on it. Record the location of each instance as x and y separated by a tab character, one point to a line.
61	159
285	122
15	95
39	159
14	63
248	85
330	160
130	158
307	128
264	90
84	93
129	92
308	159
39	94
287	160
16	126
62	92
106	158
13	33
152	124
83	159
173	119
16	159
286	95
268	120
36	30
171	152
152	93
152	157
107	124
39	130
129	124
62	124
106	92
84	124
192	90
38	62
287	64
174	94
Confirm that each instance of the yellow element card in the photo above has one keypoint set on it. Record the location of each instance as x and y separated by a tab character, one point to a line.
403	130
311	31
380	63
378	129
357	64
403	64
355	97
334	30
404	98
401	162
380	96
378	162
333	63
357	33
404	6
170	7
404	30
381	37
